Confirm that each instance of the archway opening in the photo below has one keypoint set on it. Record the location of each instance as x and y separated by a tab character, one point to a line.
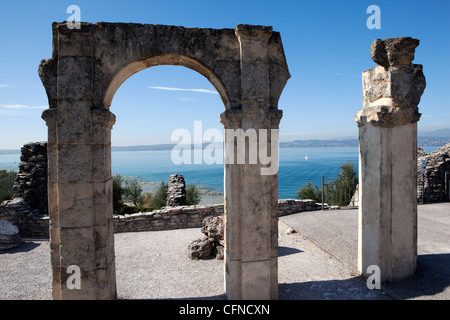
151	107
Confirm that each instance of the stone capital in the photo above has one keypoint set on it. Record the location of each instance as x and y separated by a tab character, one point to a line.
231	118
49	116
387	116
103	118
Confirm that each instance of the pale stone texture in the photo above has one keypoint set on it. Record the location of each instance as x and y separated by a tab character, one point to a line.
248	68
388	160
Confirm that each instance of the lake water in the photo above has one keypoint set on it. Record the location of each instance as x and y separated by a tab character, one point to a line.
296	167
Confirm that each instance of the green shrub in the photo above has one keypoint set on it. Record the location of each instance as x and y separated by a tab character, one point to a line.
117	193
193	196
133	193
336	192
6	184
159	197
310	191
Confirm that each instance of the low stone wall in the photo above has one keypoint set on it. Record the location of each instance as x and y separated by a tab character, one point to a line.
192	216
28	220
32	225
290	206
166	218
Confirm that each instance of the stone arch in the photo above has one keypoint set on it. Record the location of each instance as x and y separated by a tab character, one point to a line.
166	59
248	68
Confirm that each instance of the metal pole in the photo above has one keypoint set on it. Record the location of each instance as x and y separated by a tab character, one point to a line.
447	193
423	188
322	192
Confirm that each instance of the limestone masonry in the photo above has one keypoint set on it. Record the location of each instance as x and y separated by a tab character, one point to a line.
387	235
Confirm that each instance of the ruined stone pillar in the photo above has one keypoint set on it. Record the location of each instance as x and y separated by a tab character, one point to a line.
251	188
387	235
80	181
49	116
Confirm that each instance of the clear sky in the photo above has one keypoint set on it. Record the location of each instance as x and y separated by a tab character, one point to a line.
326	45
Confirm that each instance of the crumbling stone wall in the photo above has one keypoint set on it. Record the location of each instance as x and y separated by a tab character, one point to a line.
438	163
31	181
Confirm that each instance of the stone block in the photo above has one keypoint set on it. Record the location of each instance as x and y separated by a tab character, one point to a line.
74	163
256	283
75	78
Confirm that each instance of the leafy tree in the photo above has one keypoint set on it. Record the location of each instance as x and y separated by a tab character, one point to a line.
160	196
117	193
193	196
147	199
344	186
133	193
336	192
310	191
6	184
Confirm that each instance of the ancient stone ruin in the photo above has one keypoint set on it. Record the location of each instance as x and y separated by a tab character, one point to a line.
176	193
388	159
436	185
212	245
31	181
248	68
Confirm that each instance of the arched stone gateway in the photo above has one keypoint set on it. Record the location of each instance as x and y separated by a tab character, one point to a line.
247	67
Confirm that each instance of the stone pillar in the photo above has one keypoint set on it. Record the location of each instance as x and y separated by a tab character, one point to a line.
49	116
176	193
80	181
251	193
387	235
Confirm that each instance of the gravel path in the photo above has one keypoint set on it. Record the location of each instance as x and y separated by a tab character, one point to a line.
154	265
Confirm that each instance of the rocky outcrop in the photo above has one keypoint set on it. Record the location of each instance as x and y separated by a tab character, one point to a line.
212	244
176	194
433	185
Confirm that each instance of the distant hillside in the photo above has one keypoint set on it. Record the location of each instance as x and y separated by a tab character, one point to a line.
144	147
440	133
425	139
319	143
9	151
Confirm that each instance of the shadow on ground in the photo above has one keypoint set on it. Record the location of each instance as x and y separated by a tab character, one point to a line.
24	246
285	251
432	277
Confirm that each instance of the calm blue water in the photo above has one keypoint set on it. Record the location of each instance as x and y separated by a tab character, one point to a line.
294	170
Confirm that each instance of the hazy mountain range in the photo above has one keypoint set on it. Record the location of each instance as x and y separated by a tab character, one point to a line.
425	139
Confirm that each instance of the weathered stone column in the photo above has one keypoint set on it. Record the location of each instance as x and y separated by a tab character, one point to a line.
387	235
80	182
251	190
49	116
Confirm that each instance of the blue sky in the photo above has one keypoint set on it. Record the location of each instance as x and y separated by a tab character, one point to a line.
326	45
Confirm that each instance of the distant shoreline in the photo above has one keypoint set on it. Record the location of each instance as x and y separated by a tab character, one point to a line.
312	143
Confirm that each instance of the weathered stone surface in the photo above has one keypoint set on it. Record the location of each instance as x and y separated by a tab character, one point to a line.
214	229
200	249
437	164
9	235
31	180
212	244
176	193
247	67
392	90
387	124
393	51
